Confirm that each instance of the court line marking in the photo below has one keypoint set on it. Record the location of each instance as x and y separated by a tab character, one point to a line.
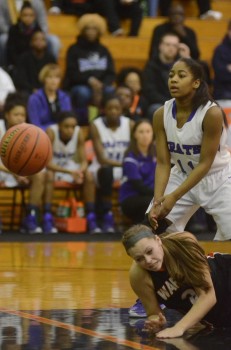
128	343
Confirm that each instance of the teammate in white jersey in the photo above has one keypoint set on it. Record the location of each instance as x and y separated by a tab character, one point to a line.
190	133
111	136
14	114
69	162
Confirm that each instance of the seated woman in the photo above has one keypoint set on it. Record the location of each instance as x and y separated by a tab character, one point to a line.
173	269
47	102
139	165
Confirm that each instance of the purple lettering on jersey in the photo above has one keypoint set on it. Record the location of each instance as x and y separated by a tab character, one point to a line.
183	149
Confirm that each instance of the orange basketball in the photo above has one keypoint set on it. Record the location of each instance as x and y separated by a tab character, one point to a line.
25	149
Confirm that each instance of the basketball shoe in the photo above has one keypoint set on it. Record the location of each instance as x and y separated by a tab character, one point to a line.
49	224
30	224
137	310
108	225
92	225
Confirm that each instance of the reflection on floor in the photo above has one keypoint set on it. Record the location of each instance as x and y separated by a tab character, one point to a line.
75	295
105	329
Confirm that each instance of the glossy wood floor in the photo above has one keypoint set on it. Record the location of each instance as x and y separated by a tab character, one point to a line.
75	295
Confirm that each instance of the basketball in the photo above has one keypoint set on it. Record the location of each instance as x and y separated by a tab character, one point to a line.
25	149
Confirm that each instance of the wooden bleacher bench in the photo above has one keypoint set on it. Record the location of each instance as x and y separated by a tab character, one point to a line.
134	50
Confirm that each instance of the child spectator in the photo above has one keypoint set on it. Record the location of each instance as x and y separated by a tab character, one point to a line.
132	77
44	104
69	161
26	75
111	136
15	113
139	165
20	34
89	67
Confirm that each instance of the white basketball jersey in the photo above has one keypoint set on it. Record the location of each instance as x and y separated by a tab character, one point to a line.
185	143
2	128
63	153
115	142
2	131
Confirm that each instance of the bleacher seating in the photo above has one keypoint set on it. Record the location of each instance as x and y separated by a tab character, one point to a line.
134	50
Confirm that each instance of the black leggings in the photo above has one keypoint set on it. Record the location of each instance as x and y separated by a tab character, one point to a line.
135	207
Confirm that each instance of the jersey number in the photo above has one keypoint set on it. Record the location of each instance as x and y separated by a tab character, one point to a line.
190	164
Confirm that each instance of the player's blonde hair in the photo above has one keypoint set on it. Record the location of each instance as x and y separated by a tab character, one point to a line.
47	69
92	18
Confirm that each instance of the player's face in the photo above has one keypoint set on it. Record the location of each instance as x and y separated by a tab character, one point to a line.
181	82
113	111
66	129
52	81
125	96
143	135
133	81
148	253
27	16
15	116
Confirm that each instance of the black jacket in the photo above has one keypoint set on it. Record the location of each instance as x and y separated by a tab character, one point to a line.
19	41
155	81
86	59
190	39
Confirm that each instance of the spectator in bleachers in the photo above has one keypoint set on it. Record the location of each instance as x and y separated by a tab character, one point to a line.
204	7
20	34
125	95
26	72
111	135
175	24
139	165
112	11
132	77
90	71
221	62
156	72
9	11
6	86
69	161
14	114
45	104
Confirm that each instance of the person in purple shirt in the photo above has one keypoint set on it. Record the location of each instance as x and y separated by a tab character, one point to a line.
44	104
138	172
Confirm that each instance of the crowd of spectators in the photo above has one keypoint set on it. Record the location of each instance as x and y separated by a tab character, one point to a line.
56	102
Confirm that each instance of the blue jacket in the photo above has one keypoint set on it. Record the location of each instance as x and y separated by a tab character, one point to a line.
38	109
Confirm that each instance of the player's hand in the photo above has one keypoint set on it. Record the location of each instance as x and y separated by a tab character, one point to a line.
95	83
172	332
166	203
78	176
153	214
22	180
154	323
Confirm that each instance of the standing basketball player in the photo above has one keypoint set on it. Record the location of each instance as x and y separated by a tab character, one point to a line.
190	132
